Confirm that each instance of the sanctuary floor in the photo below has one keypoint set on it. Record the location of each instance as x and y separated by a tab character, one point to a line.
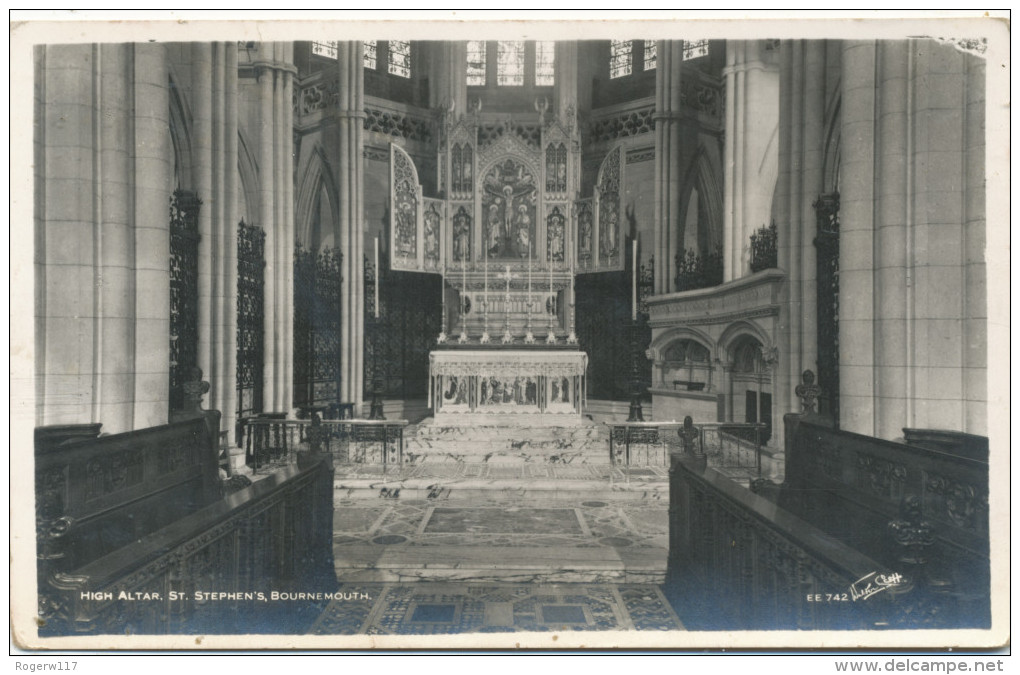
499	549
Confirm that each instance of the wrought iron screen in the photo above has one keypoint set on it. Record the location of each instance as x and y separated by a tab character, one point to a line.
827	247
251	264
318	284
184	207
397	344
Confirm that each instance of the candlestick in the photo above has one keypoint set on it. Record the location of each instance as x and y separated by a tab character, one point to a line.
442	306
463	302
572	337
551	338
485	299
633	284
378	277
528	337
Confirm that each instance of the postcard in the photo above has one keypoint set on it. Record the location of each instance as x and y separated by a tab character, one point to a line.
588	330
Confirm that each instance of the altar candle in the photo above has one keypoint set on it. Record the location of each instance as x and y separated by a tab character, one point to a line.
633	285
529	278
553	303
378	277
463	286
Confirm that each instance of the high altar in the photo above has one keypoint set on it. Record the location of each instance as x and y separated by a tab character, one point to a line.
508	233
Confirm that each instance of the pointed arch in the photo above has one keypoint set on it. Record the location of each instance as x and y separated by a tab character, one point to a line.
315	179
702	175
662	342
249	184
831	152
180	134
732	337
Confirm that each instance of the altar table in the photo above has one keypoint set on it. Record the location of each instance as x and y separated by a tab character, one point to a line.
507	386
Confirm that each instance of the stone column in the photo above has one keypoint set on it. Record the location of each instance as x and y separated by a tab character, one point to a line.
214	156
667	160
275	72
102	243
566	80
751	119
448	75
350	115
267	213
975	328
801	142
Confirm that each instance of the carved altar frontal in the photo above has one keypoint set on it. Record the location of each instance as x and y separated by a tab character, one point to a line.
507	387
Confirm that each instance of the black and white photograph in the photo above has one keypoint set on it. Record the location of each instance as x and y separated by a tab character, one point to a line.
354	331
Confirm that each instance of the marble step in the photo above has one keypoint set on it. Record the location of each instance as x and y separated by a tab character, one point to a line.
621	487
587	443
505	564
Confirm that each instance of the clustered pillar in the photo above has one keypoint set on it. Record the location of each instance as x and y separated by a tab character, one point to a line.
350	115
276	211
800	181
668	179
214	162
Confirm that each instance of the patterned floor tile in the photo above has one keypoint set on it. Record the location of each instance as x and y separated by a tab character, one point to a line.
427	608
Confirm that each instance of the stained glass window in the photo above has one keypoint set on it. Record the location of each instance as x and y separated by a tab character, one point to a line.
476	63
621	57
545	64
327	49
400	58
371	54
695	48
650	54
510	63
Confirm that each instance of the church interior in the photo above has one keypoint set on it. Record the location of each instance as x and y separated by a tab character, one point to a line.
387	337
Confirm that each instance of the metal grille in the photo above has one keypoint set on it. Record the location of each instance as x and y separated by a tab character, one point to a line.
251	264
397	344
827	245
318	284
184	207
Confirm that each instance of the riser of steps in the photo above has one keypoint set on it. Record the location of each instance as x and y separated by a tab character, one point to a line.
420	489
586	444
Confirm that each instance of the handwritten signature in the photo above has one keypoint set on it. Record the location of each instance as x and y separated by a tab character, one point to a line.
873	583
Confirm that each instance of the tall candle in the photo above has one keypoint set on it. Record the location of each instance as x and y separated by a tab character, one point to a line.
633	285
529	278
378	277
463	290
553	302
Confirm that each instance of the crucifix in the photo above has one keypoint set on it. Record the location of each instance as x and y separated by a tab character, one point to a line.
506	276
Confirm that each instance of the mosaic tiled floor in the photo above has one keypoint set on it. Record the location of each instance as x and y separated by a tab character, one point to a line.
438	608
502	521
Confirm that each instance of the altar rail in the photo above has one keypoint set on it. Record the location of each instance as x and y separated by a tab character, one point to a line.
736	562
274	536
724	444
269	443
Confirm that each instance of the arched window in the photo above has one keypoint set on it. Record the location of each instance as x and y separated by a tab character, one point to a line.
694	49
650	54
399	58
476	63
510	63
397	52
621	58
